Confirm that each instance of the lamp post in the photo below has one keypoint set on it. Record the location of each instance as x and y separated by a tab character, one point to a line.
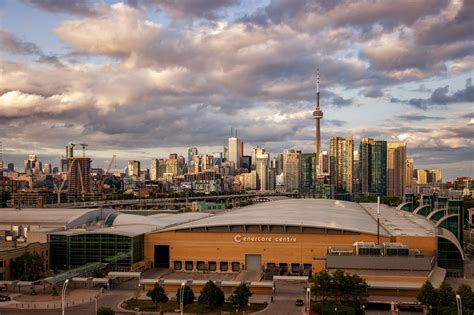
308	299
181	297
459	304
96	298
63	295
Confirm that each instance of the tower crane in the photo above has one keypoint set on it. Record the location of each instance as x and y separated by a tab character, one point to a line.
104	177
84	146
58	190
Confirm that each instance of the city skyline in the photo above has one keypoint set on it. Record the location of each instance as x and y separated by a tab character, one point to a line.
148	100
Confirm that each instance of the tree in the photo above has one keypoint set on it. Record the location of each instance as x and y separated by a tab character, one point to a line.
428	294
158	295
105	311
241	295
211	295
321	285
188	295
446	295
467	296
27	267
340	287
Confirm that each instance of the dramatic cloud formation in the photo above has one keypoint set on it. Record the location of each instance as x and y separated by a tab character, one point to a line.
79	7
440	97
147	75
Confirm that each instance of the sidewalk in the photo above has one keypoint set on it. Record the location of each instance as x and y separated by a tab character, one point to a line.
44	301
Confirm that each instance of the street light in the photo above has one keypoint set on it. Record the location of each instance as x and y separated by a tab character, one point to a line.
459	304
181	297
63	295
308	299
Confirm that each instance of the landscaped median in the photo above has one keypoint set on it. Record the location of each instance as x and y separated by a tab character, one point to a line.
171	306
211	300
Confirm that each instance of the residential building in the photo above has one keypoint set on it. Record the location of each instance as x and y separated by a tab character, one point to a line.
291	170
234	151
134	168
373	167
341	162
396	169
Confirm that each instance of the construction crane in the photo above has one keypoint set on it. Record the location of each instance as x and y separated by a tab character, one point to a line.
64	181
84	146
104	177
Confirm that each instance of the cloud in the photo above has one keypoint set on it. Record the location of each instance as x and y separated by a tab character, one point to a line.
119	31
76	7
12	44
440	97
137	80
417	117
181	9
373	92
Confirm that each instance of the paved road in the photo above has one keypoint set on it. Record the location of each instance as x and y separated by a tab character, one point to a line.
285	298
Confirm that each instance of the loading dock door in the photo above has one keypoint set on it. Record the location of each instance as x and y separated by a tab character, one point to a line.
162	256
253	262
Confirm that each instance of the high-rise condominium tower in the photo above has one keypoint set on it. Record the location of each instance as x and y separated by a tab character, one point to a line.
341	157
396	168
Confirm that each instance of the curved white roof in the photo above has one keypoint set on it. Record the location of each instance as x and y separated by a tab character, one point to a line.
316	213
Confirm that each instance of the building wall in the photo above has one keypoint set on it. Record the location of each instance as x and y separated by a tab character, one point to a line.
212	246
7	256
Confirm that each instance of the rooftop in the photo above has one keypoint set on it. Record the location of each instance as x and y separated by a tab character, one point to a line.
400	223
46	216
313	213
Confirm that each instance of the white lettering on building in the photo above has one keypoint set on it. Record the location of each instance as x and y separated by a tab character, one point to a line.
264	239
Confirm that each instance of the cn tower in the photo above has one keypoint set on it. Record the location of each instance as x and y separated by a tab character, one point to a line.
318	115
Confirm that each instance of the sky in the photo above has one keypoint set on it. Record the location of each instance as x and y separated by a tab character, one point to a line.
144	78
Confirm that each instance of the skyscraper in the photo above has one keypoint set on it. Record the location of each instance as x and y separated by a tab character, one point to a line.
234	151
307	172
291	170
324	158
134	168
318	115
355	175
409	173
421	177
191	152
341	157
154	169
373	167
434	176
396	169
261	166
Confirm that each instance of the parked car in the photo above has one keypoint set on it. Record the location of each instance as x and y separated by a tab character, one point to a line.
299	302
5	298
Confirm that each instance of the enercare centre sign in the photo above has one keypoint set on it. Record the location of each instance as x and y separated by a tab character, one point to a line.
264	239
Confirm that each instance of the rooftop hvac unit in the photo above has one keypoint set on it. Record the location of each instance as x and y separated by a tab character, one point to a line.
368	249
395	249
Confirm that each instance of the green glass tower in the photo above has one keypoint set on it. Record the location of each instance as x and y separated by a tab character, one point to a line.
373	167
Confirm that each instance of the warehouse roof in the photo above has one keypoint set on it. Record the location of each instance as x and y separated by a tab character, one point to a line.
312	213
50	216
399	222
